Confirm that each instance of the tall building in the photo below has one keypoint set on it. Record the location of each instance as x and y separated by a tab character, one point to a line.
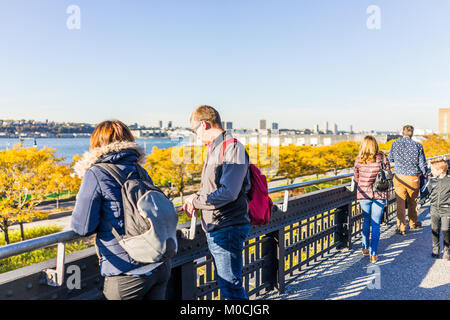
169	124
274	126
444	121
262	124
229	125
335	129
160	124
326	129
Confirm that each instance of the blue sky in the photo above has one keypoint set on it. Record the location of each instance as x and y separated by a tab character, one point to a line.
298	62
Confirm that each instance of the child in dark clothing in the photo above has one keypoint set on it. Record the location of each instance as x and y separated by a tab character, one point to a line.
439	193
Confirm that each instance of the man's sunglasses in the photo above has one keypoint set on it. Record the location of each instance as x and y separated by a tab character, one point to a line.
194	130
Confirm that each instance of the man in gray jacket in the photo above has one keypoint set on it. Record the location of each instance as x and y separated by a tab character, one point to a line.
223	199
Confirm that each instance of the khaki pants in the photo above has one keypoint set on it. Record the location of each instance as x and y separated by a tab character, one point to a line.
406	189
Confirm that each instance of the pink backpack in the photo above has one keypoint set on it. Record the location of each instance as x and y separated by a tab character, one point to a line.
260	205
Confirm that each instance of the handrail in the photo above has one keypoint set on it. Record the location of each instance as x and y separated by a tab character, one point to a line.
65	236
69	235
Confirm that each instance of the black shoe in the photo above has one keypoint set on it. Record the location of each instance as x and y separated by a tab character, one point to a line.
400	232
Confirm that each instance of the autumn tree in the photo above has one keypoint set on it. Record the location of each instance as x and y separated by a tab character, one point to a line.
436	145
173	168
25	180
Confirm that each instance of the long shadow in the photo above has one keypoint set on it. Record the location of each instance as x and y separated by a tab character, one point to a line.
405	271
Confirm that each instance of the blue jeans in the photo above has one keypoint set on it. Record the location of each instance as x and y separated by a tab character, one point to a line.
372	213
226	247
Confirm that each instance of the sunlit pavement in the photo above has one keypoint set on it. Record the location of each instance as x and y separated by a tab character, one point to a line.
405	270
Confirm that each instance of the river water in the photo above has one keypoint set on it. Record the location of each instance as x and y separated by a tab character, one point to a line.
69	147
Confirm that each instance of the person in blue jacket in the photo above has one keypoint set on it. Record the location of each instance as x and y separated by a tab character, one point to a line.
100	199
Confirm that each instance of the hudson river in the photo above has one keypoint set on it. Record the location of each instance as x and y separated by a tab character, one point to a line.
68	147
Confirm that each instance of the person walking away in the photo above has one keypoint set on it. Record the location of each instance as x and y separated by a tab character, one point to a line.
410	162
99	207
367	166
222	198
439	194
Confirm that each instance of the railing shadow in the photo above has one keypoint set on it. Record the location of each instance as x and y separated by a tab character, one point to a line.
405	271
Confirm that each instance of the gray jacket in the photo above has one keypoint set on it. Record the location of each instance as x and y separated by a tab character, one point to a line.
224	185
439	190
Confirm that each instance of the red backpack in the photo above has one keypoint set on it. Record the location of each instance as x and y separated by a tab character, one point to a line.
260	205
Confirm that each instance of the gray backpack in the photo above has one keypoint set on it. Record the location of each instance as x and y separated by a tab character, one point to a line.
150	219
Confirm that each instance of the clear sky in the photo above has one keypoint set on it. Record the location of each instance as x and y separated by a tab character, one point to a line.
296	62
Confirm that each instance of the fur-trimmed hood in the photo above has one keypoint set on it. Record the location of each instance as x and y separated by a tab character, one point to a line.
91	157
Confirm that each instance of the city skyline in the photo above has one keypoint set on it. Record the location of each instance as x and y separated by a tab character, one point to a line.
298	63
261	124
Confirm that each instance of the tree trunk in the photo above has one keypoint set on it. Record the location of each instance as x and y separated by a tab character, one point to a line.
181	197
22	233
6	235
57	200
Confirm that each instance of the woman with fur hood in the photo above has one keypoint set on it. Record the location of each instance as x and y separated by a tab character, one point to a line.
99	206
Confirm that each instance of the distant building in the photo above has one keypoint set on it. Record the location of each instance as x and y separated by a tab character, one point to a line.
274	126
326	129
316	129
335	129
444	121
262	124
228	125
169	124
160	124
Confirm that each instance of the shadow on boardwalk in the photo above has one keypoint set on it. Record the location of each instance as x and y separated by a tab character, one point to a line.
404	271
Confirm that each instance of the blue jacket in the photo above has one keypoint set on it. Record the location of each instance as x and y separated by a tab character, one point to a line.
100	197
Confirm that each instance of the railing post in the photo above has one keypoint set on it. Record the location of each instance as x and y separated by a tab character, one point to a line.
279	236
349	225
55	277
183	282
269	253
342	218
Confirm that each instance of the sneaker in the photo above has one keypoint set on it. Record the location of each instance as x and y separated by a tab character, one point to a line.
365	252
435	253
417	226
446	255
373	259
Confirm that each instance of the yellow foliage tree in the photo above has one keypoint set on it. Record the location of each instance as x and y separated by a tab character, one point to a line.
436	145
173	169
26	178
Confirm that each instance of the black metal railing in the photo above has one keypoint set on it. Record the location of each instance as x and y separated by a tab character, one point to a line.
303	230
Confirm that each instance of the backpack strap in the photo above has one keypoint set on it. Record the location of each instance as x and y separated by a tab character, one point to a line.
224	147
222	153
142	173
119	177
113	171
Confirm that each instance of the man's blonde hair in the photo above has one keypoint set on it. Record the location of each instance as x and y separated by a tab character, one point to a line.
209	114
439	164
